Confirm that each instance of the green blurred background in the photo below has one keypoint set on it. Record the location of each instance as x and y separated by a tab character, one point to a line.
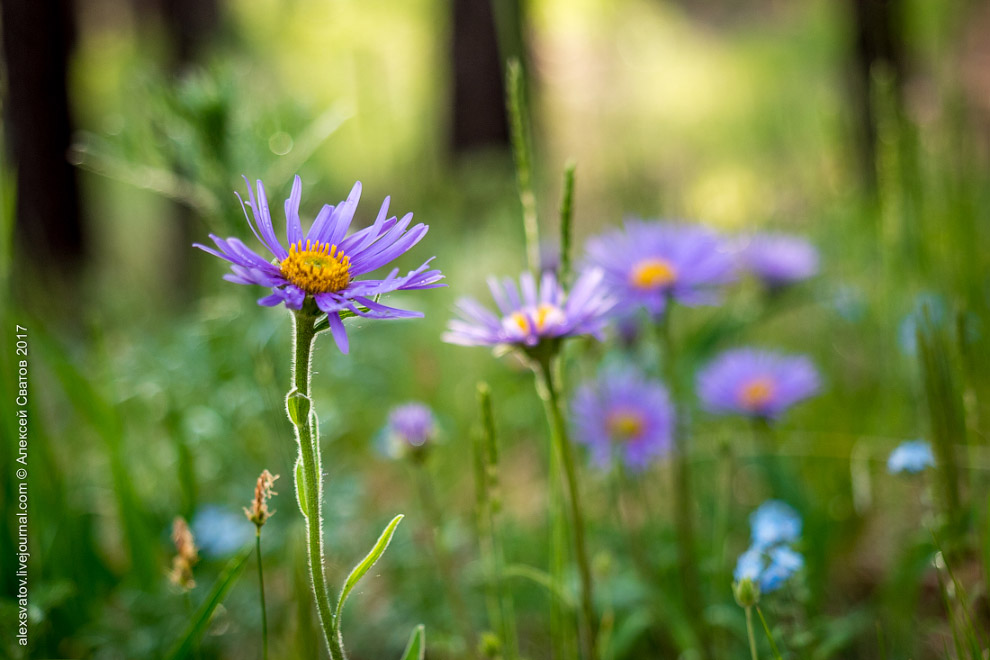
157	389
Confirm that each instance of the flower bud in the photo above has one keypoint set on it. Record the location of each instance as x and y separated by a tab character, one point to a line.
747	592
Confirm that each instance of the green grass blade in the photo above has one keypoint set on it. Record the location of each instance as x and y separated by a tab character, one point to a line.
365	565
197	625
416	648
543	579
766	629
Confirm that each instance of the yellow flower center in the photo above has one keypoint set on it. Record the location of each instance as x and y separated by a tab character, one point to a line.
625	424
317	268
756	393
653	273
544	315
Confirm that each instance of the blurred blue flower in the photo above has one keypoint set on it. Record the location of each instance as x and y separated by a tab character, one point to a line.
624	414
219	532
849	302
770	561
773	523
756	383
927	302
783	562
749	565
779	259
648	263
912	456
530	314
324	262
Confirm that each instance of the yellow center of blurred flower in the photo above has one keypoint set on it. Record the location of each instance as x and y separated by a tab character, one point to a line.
317	268
653	273
756	393
625	424
543	316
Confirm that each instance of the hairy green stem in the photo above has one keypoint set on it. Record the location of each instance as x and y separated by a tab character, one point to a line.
752	635
562	444
261	591
312	487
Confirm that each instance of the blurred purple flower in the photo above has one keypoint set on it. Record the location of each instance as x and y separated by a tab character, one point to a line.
622	413
537	314
411	426
912	456
779	259
756	383
324	262
647	263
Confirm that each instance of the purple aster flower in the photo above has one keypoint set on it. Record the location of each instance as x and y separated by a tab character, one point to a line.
756	383
779	259
647	263
773	523
411	426
324	262
530	314
624	414
912	456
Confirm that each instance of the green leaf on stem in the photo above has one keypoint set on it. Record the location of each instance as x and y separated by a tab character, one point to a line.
298	406
365	565
416	648
301	489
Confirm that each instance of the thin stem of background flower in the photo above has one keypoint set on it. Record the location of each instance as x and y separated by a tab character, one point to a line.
550	395
751	633
309	456
261	591
683	518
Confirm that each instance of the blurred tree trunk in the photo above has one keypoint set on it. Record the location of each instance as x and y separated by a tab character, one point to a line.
878	42
190	27
478	112
38	36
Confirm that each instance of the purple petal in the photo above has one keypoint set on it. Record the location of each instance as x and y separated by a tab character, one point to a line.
293	225
338	332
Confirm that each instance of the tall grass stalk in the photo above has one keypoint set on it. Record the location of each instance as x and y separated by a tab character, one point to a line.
523	153
566	223
946	416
